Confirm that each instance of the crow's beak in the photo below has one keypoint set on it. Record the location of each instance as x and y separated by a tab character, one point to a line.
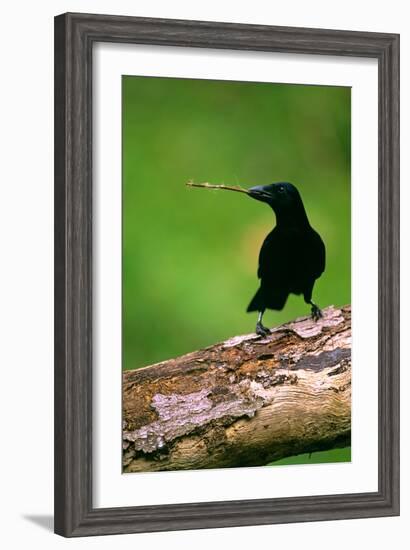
259	193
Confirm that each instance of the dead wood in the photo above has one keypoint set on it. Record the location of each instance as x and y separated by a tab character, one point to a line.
243	402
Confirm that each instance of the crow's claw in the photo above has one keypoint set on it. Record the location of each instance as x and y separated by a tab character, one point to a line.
261	330
316	313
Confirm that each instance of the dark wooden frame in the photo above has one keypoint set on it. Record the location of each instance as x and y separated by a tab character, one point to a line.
75	35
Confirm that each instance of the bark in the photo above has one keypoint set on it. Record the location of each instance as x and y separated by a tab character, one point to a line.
243	402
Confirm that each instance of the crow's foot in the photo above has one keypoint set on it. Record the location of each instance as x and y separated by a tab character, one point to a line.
261	330
316	313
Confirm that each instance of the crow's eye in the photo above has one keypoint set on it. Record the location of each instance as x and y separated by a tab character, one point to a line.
281	189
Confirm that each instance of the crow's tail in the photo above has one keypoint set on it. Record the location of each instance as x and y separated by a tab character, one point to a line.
257	302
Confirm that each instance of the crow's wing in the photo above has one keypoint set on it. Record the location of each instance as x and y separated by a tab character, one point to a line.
317	253
285	254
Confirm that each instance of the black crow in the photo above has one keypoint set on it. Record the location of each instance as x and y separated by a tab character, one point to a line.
292	256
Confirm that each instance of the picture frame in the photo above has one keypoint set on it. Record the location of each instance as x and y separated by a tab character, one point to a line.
75	36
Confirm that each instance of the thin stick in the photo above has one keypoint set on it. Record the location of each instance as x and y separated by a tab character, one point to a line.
211	186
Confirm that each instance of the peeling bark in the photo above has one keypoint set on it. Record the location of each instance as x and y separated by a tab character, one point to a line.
243	402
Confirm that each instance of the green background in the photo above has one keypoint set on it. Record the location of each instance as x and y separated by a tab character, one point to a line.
190	255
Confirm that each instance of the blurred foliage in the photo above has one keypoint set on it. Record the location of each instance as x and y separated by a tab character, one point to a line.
334	455
190	255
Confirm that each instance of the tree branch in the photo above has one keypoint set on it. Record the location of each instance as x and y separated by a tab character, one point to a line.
243	402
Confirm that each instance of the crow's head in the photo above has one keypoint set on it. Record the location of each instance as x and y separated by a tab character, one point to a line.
277	195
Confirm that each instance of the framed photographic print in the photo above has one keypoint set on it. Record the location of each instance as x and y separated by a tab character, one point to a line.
226	274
